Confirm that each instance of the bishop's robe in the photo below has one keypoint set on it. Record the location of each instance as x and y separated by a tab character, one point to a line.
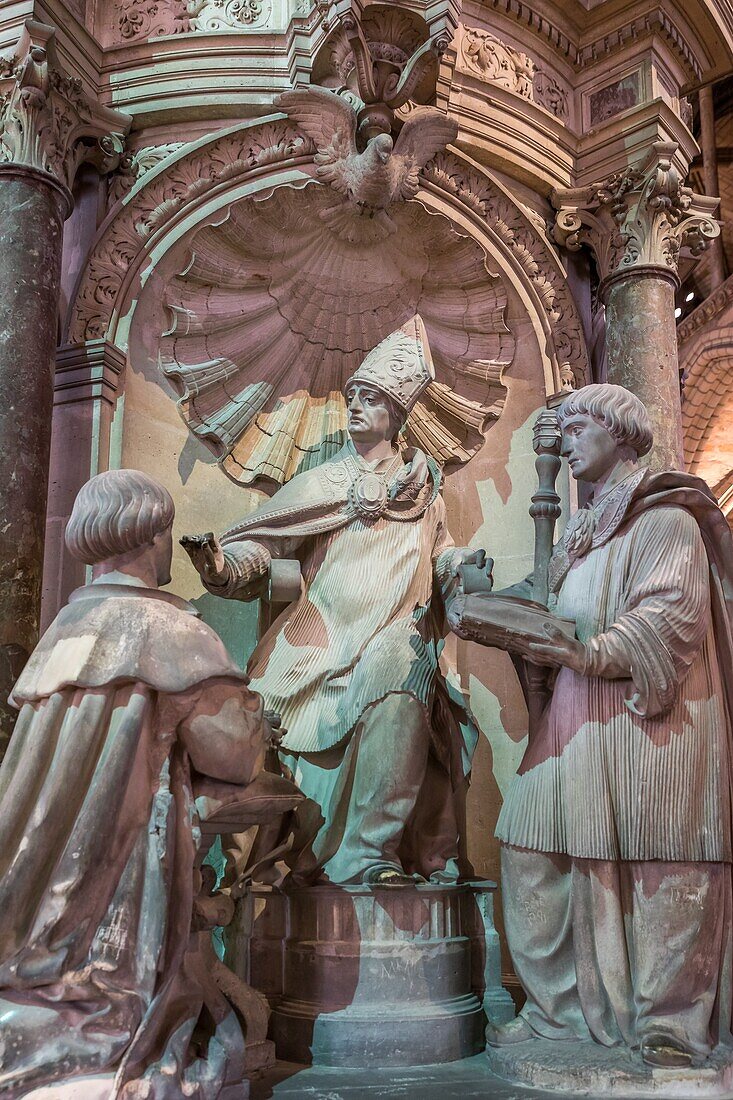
618	824
125	697
352	668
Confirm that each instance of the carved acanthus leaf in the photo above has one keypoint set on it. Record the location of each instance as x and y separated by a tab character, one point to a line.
47	122
495	61
134	165
637	218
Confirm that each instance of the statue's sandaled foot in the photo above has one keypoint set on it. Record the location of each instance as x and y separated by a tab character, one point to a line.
504	1035
390	876
660	1049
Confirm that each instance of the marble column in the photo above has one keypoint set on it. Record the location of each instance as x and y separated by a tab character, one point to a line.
637	223
33	206
48	127
641	353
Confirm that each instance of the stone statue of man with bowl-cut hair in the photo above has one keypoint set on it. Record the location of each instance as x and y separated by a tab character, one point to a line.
127	699
616	833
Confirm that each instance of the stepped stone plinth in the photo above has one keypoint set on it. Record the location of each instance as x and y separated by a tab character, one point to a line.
369	975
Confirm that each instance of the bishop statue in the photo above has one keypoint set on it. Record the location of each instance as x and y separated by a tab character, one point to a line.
372	737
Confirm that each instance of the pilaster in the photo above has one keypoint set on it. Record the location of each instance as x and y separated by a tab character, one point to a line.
87	383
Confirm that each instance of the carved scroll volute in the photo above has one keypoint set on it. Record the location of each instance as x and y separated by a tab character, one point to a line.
47	122
641	217
545	508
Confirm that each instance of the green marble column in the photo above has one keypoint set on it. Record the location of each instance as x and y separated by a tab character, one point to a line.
33	206
641	353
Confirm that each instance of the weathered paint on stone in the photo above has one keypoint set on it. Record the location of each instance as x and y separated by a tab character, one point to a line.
32	209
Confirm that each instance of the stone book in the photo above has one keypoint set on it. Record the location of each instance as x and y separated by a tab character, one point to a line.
505	622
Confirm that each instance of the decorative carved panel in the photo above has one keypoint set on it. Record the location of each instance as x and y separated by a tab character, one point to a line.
483	53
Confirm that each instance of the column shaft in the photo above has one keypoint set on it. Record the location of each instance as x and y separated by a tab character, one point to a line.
641	351
716	262
32	210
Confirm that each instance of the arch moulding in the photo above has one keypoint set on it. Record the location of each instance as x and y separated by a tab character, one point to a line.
198	182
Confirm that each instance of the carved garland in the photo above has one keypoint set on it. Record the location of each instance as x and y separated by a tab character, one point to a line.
183	176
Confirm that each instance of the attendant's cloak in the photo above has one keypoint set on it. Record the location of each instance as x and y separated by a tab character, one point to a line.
96	842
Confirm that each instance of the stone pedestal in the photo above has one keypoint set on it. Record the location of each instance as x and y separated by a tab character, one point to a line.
589	1069
363	976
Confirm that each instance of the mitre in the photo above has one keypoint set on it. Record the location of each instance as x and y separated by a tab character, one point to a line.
400	366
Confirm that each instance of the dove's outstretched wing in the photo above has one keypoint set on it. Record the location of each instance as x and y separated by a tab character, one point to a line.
424	134
330	121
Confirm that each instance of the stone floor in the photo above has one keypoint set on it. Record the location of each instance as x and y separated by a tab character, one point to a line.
466	1080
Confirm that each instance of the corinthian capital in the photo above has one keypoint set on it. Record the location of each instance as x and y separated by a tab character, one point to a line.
47	122
640	218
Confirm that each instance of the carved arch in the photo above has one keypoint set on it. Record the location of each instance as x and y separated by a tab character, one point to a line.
200	183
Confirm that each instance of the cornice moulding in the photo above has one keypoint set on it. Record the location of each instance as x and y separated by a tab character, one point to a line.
501	129
628	137
88	372
608	28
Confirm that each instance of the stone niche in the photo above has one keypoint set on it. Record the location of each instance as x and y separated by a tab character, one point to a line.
274	309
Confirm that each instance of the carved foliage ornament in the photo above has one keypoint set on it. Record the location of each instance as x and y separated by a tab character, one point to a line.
149	18
493	60
46	120
640	217
179	180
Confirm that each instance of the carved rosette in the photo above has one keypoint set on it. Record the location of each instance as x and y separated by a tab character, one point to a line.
46	121
640	218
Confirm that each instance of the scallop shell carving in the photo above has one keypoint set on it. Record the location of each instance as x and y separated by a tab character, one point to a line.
274	312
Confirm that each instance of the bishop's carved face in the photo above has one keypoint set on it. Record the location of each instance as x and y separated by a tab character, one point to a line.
371	415
589	448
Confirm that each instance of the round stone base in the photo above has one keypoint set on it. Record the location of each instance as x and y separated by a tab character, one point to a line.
377	976
586	1068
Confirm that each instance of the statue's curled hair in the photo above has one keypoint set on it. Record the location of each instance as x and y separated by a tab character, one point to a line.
116	512
619	410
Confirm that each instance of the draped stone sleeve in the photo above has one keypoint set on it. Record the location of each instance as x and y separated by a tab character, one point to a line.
223	731
666	614
444	551
247	564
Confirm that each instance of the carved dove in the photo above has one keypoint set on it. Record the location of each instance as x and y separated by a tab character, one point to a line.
385	172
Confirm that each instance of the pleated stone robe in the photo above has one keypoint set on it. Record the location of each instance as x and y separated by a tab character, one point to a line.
125	699
352	669
617	830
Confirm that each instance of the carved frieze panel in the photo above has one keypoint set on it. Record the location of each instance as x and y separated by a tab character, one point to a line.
482	53
137	20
